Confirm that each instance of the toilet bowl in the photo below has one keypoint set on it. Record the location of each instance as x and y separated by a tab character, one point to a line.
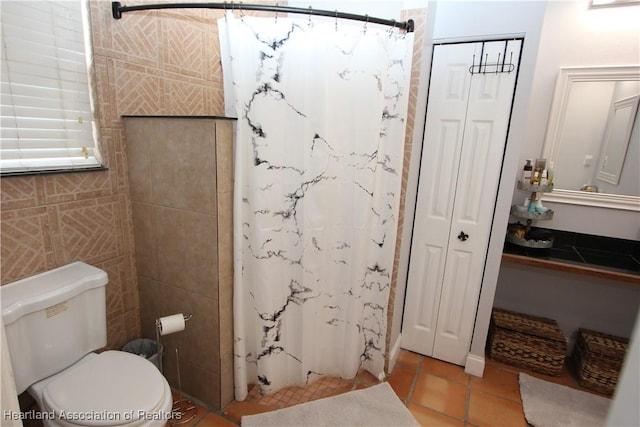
54	323
112	388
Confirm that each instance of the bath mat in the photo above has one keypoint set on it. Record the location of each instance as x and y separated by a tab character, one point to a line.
547	404
374	406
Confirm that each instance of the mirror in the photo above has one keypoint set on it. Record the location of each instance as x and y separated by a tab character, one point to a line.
593	137
617	137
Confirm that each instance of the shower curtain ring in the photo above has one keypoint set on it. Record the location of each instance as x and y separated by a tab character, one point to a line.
336	19
365	24
276	12
310	13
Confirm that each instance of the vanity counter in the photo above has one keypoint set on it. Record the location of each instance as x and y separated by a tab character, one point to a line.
595	256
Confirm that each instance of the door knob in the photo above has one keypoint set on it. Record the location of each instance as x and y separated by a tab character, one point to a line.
463	236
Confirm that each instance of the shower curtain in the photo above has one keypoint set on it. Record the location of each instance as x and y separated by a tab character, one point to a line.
321	113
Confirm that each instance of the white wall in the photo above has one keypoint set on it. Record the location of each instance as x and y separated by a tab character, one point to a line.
574	35
474	19
388	9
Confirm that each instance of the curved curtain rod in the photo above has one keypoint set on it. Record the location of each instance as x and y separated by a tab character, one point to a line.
117	10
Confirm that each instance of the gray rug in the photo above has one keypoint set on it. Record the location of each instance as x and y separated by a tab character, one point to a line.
374	406
547	404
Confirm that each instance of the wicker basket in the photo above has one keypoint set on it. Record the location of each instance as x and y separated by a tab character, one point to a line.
528	342
598	358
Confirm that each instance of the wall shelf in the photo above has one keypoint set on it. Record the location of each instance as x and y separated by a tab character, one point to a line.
534	188
529	243
521	212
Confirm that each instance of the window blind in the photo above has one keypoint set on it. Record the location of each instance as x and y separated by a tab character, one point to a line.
47	119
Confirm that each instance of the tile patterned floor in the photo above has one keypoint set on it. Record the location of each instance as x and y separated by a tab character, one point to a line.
437	394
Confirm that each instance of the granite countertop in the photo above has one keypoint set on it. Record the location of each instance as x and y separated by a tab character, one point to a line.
584	250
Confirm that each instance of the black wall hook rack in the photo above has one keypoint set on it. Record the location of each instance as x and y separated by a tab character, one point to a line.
493	67
117	9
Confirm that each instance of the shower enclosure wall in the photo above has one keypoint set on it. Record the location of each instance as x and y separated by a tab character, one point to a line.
181	181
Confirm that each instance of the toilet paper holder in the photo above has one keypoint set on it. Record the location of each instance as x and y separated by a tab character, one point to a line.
186	317
158	324
184	408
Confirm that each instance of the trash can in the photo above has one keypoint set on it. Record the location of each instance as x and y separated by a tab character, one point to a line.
146	348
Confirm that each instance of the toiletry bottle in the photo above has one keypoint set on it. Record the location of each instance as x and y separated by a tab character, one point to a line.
527	172
550	173
535	179
544	179
532	202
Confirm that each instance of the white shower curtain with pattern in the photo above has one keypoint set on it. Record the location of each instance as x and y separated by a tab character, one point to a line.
321	114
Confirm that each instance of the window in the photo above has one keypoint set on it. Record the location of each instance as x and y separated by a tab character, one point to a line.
47	121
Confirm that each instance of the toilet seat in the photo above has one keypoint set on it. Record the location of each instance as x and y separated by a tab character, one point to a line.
112	388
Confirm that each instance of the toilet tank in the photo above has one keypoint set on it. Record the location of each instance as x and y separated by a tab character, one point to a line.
53	319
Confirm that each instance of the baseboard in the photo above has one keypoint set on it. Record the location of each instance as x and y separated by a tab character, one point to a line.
394	353
474	365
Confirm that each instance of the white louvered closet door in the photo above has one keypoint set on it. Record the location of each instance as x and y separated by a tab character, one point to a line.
465	134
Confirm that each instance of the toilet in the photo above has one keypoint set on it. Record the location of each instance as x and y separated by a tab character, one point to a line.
54	322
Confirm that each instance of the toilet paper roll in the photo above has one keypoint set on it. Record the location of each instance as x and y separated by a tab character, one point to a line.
171	324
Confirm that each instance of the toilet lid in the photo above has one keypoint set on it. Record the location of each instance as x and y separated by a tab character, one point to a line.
110	389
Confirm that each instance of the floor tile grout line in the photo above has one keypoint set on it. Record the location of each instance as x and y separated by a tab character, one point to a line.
444	414
414	381
467	403
417	374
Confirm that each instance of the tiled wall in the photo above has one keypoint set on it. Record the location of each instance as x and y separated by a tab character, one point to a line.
419	17
181	192
52	220
49	221
168	63
147	63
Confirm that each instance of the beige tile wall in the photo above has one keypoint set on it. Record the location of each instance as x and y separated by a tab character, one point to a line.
148	63
168	63
419	18
224	192
52	220
182	225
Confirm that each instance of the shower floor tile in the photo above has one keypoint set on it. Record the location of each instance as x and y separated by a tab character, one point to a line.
324	387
